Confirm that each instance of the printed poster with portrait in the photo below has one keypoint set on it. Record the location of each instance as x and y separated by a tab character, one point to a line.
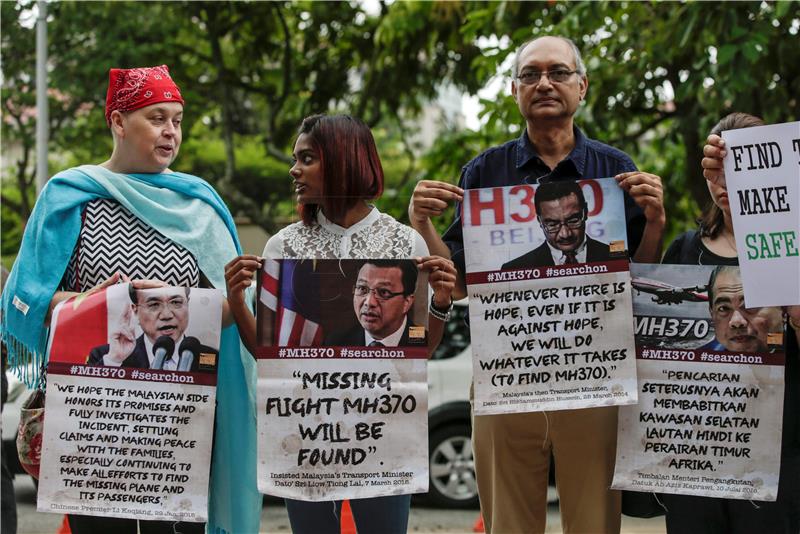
342	379
131	391
550	298
711	381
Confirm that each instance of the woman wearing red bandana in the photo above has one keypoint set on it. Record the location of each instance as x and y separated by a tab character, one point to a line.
132	218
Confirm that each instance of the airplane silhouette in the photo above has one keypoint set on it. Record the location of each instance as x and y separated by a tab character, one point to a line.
669	294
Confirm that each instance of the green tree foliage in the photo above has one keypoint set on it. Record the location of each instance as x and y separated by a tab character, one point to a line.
250	72
661	73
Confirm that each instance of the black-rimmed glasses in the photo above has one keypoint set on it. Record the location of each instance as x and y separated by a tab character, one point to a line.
573	223
381	293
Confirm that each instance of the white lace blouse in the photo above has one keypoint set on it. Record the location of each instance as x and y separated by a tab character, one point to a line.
375	236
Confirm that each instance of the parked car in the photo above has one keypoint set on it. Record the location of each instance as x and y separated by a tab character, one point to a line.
452	467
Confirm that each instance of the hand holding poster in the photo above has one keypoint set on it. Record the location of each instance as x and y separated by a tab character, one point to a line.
550	301
130	404
710	388
762	170
342	394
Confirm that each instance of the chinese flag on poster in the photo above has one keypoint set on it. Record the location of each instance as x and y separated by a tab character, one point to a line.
79	325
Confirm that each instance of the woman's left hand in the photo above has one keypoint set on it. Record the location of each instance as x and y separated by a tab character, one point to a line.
646	190
441	277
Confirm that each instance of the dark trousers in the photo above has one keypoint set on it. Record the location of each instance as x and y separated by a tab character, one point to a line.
9	503
704	515
379	515
8	524
87	524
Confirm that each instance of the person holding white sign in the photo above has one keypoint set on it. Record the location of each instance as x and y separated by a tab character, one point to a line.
738	329
337	172
133	217
512	451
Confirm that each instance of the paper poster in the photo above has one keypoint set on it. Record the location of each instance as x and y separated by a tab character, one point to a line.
131	389
550	297
762	170
342	389
709	417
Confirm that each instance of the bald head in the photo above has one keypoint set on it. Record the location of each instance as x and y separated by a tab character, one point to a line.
579	66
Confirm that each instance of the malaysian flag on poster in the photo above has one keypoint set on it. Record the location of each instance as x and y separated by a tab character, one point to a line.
291	290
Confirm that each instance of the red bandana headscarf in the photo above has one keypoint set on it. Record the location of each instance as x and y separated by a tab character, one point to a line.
131	89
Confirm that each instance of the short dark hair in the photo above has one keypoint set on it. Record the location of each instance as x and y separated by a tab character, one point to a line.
407	267
555	190
351	167
713	220
713	279
133	293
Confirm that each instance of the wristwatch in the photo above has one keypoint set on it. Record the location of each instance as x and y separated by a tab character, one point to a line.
443	314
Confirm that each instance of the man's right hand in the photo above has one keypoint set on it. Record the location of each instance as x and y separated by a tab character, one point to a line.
430	199
713	152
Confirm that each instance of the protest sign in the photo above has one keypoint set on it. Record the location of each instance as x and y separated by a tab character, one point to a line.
762	171
710	406
131	389
550	298
342	379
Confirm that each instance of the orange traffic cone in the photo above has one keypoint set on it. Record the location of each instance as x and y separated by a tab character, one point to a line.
64	528
478	526
347	525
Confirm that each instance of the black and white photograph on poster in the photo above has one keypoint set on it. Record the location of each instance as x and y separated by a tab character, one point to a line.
550	296
711	381
130	403
762	175
342	379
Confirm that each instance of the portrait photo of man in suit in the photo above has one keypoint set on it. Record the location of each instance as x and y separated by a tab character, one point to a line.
163	316
383	295
562	212
736	327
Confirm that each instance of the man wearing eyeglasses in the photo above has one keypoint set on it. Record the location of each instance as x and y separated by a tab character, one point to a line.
512	452
383	295
162	311
561	211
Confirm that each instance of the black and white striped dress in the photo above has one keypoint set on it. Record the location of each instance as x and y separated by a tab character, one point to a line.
112	239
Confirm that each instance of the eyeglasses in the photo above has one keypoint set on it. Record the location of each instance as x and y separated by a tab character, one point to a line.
157	306
532	77
381	293
573	223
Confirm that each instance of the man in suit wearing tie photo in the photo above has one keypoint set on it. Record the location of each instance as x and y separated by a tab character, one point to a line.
383	295
562	211
163	315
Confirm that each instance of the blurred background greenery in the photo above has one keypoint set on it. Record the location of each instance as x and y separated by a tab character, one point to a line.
661	74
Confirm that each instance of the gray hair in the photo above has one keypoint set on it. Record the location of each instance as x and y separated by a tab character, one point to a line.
712	280
580	67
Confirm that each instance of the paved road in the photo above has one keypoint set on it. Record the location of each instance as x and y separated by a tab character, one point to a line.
274	518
